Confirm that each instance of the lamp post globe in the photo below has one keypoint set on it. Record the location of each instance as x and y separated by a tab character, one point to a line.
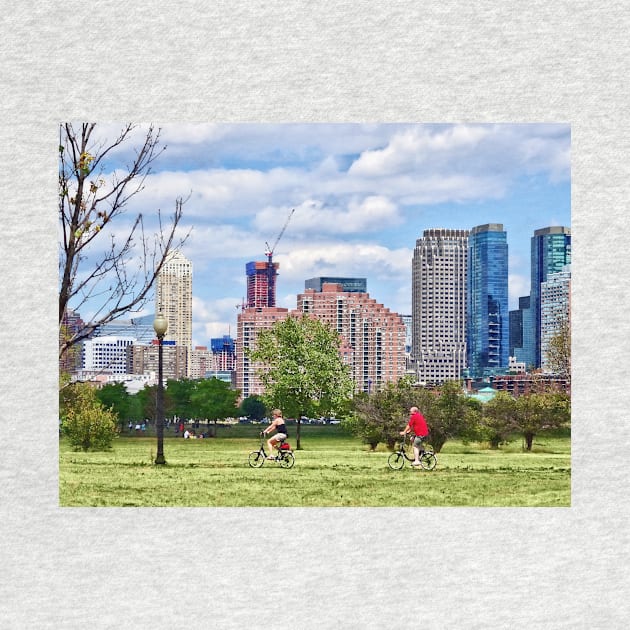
160	325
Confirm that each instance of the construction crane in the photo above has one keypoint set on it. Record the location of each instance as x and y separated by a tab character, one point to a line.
271	272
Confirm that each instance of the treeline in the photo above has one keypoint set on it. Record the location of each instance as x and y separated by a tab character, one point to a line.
188	399
450	413
91	417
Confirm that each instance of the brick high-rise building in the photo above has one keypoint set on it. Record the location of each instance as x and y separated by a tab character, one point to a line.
373	336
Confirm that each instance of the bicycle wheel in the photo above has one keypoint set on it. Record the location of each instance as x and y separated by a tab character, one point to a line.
428	460
396	461
256	459
287	460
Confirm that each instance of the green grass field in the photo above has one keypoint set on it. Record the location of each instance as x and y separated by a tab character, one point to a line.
332	469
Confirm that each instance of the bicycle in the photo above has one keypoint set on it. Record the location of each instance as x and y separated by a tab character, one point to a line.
396	460
284	455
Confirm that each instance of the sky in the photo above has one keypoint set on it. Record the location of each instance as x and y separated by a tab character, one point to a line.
362	194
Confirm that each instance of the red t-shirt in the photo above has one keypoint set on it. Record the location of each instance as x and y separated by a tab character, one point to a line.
418	424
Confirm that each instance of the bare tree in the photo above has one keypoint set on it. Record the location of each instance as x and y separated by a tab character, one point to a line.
95	266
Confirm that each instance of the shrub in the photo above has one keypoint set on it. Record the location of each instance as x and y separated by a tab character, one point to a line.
85	422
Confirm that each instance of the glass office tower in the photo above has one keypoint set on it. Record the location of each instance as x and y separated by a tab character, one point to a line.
551	251
521	333
487	316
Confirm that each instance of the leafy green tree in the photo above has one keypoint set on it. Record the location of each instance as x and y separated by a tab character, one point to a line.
380	416
147	402
214	400
180	393
85	422
135	409
536	412
253	407
500	419
449	414
303	373
114	396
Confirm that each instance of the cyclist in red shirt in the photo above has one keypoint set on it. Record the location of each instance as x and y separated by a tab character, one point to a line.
418	426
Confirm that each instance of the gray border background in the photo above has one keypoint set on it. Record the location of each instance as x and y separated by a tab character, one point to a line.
313	61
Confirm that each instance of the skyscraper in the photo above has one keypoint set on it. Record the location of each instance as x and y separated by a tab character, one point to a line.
487	329
551	251
439	271
173	298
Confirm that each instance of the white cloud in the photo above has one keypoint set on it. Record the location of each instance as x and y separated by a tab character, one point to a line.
343	259
313	218
414	147
217	241
416	165
468	151
215	193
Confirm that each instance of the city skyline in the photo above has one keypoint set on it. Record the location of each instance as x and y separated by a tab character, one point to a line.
362	193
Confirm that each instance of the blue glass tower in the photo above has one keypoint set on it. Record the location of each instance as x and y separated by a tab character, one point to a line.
551	251
487	319
521	333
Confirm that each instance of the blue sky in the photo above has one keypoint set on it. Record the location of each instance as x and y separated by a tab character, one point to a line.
362	193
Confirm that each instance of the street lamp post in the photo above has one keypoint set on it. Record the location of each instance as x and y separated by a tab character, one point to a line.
160	325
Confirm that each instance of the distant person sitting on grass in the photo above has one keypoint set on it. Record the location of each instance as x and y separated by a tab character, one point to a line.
418	426
281	431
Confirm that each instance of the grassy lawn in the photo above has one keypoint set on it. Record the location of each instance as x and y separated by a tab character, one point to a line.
332	469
